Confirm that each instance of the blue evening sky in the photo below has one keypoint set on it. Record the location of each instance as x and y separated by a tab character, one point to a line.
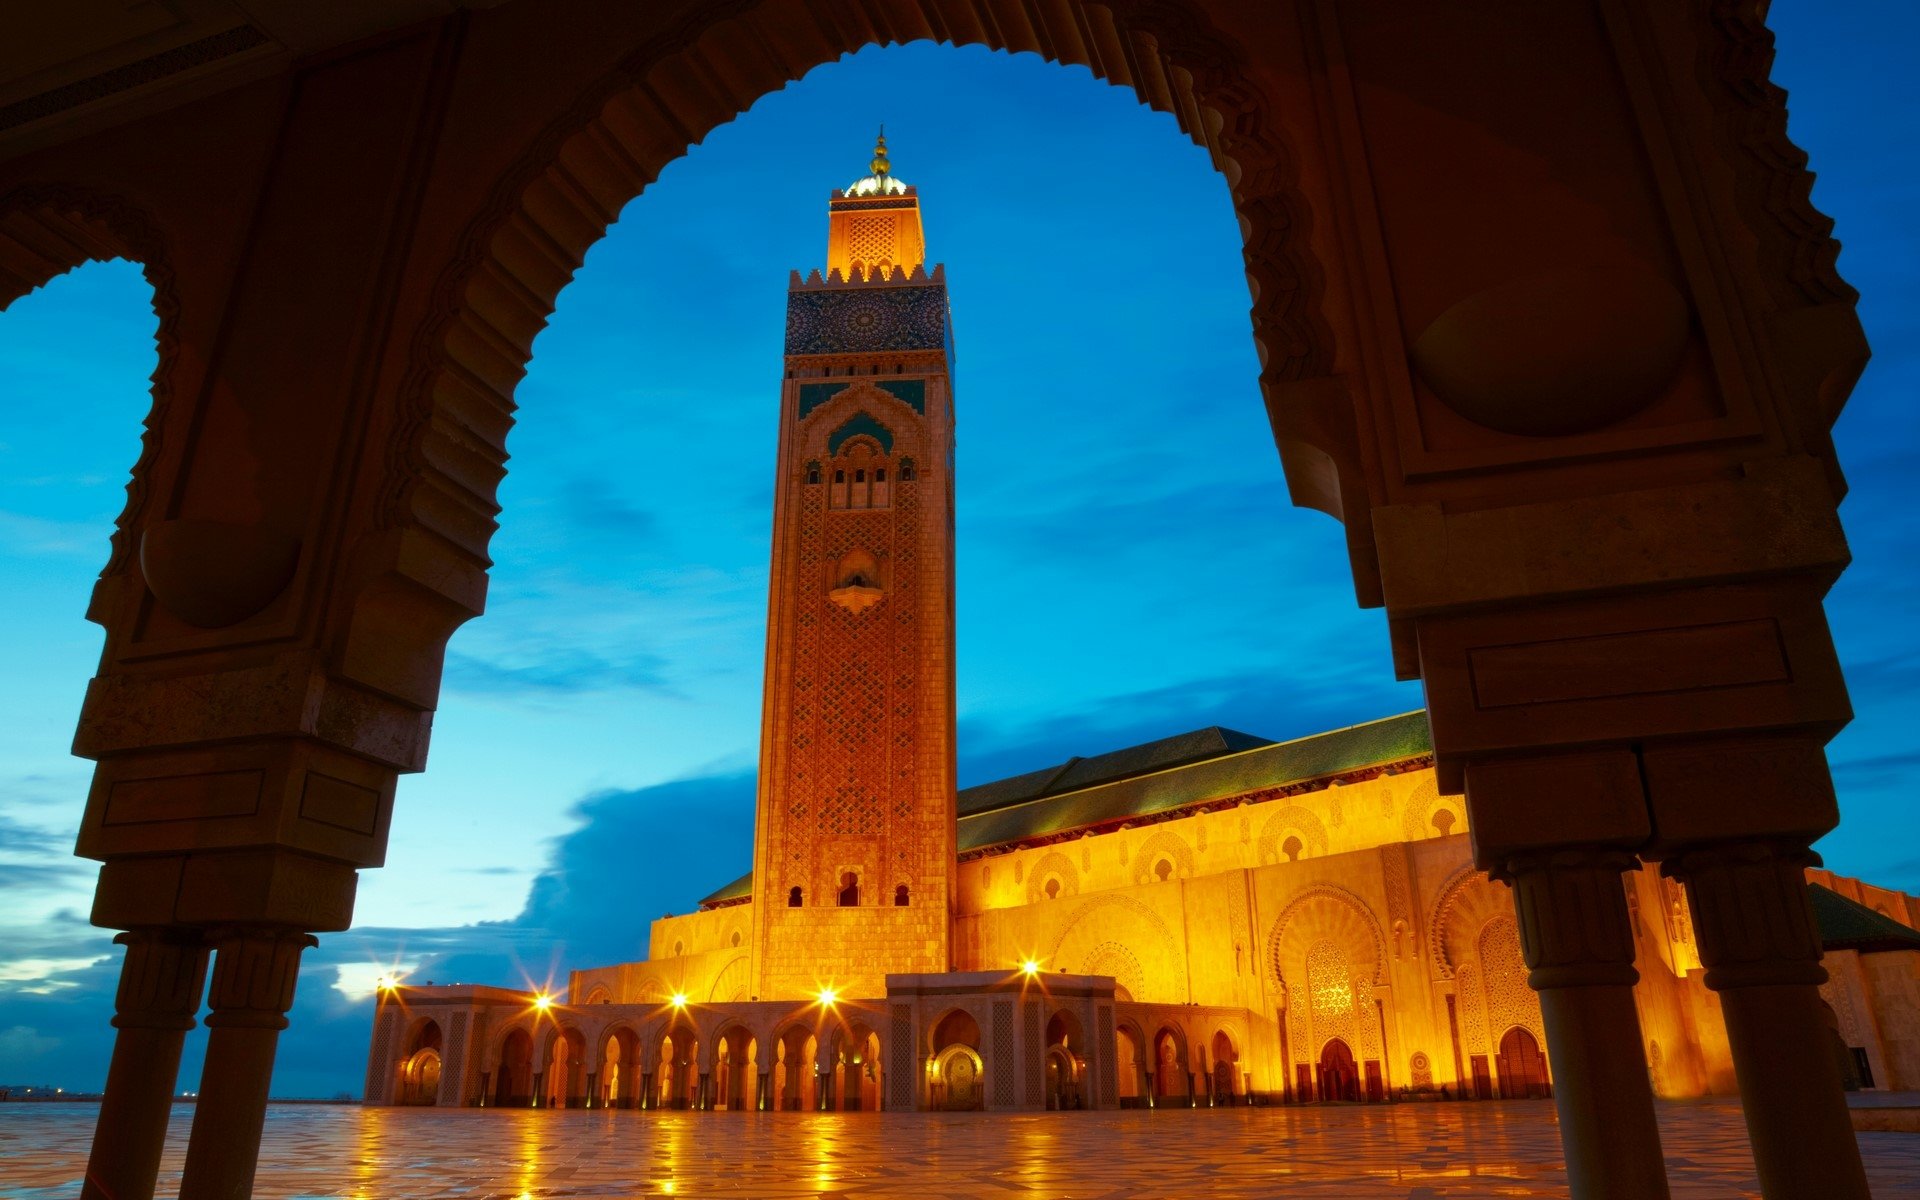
1128	564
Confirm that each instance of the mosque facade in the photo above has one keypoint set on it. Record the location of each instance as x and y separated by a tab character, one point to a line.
1209	919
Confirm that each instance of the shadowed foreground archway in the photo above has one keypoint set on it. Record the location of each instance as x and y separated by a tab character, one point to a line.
1602	534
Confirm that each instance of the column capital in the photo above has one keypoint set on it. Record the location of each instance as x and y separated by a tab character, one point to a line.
254	973
161	979
1572	913
1753	921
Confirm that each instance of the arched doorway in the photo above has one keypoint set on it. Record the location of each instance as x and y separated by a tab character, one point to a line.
958	1077
1066	1062
420	1070
1339	1077
1170	1082
736	1079
1130	1066
1522	1068
856	1082
791	1078
677	1084
1226	1069
564	1083
513	1078
618	1082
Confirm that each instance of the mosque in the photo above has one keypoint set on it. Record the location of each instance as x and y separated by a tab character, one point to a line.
1213	918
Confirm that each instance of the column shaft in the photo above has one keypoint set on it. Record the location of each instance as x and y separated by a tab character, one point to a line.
1761	948
253	977
1575	934
161	980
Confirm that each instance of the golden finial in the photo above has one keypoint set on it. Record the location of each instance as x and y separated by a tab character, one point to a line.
879	163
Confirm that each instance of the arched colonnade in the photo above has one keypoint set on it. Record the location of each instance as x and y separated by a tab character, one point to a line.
1602	543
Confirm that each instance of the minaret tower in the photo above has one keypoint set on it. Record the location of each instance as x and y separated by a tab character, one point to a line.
854	841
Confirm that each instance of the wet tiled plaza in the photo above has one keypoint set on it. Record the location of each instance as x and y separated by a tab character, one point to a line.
1408	1152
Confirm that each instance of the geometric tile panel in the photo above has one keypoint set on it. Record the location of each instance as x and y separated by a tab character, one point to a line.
867	319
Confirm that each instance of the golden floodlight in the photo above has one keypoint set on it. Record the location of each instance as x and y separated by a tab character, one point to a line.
386	983
679	999
1030	968
827	997
542	1001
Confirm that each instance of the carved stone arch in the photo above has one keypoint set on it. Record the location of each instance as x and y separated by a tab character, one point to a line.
1167	846
618	1025
1423	804
532	230
1110	918
1053	865
1322	911
730	981
1297	819
1114	959
497	1041
1468	900
1511	1002
49	229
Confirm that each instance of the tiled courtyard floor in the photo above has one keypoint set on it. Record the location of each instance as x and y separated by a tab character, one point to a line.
1409	1152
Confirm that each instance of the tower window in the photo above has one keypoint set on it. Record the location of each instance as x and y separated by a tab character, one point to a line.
793	898
880	475
839	476
859	476
906	471
849	890
900	896
813	472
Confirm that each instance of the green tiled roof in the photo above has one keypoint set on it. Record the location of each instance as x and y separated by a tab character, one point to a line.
1154	789
1140	781
1077	773
739	889
1849	925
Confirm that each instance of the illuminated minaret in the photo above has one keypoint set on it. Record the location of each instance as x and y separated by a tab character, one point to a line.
854	839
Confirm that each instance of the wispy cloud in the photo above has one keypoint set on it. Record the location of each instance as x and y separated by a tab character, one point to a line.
563	669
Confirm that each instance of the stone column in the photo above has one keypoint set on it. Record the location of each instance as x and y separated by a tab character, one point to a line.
1757	937
254	972
1576	936
161	980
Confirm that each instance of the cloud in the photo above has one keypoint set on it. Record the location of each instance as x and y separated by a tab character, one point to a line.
41	537
23	1042
556	670
591	505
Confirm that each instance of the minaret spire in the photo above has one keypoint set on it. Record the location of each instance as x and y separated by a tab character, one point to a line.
879	163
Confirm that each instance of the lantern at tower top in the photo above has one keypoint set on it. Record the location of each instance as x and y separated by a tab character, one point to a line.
873	227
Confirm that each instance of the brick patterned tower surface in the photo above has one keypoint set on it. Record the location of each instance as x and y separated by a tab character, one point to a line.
854	841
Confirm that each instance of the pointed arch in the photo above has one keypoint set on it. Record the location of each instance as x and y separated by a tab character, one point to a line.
48	230
531	232
1291	819
1166	847
1320	912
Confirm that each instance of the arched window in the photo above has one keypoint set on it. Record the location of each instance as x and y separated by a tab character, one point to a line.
906	470
793	898
900	896
813	472
849	890
1163	869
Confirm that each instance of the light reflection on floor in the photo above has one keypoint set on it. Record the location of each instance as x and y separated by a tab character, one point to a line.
1408	1152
